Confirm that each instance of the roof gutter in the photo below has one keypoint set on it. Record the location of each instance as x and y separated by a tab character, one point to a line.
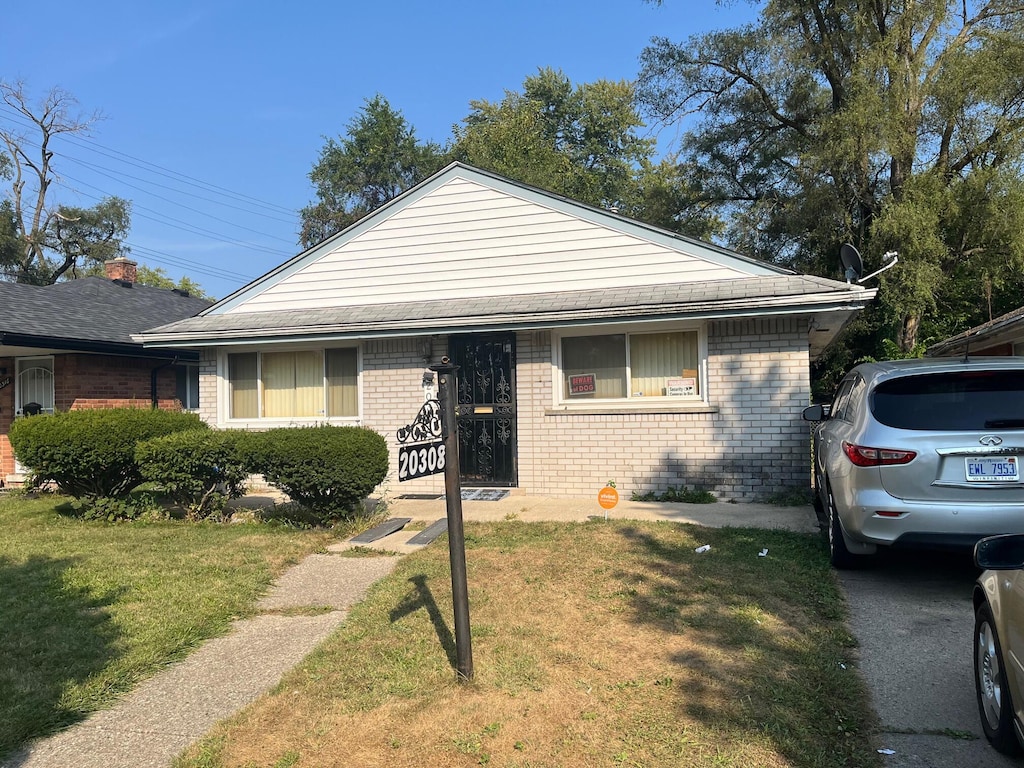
120	349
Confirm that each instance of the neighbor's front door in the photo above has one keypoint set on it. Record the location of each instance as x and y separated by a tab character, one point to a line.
33	390
486	408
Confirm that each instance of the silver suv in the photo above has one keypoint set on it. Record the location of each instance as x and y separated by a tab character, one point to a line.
922	453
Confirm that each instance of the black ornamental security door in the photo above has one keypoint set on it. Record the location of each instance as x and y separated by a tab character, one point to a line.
486	408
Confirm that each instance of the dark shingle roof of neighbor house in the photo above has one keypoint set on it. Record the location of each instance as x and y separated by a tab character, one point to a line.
88	310
743	296
980	335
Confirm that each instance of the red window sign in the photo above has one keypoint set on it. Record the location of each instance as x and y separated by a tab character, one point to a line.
582	384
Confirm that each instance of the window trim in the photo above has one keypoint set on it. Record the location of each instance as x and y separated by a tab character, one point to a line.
224	388
629	403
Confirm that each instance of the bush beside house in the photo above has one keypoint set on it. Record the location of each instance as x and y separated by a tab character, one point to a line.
200	469
328	470
100	456
91	453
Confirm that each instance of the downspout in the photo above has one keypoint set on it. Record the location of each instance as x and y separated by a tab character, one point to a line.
152	381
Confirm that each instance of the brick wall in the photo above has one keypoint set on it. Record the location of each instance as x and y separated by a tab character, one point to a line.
748	442
6	417
94	381
393	393
90	381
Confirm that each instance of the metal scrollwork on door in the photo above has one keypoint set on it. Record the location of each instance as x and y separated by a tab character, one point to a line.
503	390
487	407
425	427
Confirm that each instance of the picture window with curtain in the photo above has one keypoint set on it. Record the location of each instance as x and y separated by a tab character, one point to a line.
294	384
631	366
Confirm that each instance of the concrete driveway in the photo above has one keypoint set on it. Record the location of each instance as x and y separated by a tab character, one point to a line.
912	614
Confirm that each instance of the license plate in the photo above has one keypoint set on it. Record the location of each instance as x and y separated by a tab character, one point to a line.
993	469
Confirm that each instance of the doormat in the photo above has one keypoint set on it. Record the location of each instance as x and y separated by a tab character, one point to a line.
482	494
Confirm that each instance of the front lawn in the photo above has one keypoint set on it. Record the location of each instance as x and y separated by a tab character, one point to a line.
597	644
88	609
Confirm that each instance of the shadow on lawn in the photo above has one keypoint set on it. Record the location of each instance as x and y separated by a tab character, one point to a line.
422	597
52	635
769	632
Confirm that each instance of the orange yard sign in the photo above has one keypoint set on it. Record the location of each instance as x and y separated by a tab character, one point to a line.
607	497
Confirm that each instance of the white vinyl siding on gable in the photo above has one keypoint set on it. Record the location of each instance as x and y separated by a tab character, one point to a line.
467	240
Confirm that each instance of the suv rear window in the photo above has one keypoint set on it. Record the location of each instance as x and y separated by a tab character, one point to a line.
961	400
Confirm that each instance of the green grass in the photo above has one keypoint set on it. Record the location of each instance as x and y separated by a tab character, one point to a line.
89	609
597	644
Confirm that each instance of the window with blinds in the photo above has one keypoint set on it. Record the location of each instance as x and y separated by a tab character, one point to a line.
305	384
628	366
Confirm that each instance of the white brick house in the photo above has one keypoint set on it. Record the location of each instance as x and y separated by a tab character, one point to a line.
591	347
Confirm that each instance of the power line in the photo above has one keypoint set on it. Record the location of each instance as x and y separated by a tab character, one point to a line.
93	146
180	205
191	267
183	225
100	168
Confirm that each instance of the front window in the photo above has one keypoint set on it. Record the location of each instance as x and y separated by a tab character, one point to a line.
631	366
295	384
186	386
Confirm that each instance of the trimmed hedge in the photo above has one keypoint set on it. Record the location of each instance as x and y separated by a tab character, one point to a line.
91	453
200	469
328	470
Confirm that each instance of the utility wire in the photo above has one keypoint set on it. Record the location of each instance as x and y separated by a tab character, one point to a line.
94	146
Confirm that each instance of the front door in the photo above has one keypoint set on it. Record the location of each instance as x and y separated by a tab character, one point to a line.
33	390
486	408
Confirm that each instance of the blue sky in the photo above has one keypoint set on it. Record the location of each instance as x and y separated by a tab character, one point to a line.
215	111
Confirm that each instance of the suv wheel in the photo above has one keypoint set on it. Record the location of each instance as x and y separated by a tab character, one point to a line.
840	556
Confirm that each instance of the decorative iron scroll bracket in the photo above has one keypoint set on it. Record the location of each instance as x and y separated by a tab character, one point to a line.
425	427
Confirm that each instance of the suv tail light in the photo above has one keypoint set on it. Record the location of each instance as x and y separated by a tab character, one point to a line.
864	456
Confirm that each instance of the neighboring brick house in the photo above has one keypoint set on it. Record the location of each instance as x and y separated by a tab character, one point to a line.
69	345
999	337
591	347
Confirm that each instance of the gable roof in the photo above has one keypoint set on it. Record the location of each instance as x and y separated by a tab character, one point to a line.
467	233
468	250
88	314
1008	328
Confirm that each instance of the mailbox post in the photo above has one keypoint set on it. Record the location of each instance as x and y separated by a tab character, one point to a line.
446	393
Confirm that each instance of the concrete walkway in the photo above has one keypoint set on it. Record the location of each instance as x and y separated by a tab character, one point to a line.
167	713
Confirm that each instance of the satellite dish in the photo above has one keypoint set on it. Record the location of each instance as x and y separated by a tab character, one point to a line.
853	264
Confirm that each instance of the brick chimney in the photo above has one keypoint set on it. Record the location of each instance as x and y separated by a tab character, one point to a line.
121	270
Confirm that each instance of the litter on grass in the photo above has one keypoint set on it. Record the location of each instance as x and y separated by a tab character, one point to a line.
887	751
702	548
763	552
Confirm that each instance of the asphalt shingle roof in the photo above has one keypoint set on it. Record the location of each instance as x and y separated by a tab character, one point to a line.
91	309
510	311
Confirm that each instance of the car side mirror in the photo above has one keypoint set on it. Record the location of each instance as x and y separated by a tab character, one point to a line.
1000	553
815	412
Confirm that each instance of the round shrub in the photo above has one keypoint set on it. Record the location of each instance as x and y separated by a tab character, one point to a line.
200	469
329	470
91	453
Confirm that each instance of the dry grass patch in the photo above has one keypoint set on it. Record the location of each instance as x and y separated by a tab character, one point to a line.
602	644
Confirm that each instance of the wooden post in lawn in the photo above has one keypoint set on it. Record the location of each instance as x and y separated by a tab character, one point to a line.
446	394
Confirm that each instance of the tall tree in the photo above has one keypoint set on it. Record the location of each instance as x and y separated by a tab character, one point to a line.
890	124
578	141
375	162
51	240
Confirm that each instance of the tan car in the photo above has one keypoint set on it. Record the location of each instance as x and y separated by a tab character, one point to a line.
999	640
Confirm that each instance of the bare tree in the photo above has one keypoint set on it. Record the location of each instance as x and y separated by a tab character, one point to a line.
42	227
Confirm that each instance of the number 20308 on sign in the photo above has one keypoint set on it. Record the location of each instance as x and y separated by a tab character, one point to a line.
420	460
